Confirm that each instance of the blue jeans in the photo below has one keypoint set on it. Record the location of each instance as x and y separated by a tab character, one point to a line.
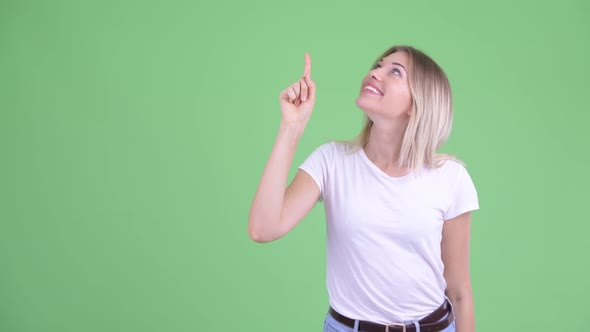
332	325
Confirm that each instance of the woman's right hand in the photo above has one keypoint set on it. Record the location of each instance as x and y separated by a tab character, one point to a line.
297	100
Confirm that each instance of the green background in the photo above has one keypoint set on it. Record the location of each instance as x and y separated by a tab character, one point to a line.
133	135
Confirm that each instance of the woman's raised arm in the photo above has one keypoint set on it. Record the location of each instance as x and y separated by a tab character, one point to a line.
276	209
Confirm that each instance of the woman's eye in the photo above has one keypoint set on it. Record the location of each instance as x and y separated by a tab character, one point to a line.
397	72
377	66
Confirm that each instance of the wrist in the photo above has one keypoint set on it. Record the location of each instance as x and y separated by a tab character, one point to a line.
291	131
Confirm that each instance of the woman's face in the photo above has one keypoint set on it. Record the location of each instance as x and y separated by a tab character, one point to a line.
385	91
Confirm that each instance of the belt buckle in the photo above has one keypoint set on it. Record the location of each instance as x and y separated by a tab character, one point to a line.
403	326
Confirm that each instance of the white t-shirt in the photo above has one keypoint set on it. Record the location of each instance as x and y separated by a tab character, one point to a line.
384	233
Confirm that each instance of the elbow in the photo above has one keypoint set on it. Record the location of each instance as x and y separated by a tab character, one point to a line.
459	294
258	235
264	228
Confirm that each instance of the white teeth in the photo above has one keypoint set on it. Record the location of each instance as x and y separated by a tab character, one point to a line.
370	88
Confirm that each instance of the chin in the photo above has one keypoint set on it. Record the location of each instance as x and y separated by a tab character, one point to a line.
364	104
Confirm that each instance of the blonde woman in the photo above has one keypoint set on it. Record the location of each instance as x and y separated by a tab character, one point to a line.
398	214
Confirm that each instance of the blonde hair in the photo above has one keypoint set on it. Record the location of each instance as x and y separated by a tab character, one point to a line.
431	118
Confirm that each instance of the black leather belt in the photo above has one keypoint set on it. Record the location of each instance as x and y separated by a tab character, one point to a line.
437	321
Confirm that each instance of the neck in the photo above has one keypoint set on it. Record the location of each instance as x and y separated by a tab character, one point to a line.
384	146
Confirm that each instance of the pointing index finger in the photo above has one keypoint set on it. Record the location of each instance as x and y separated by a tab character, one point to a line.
307	68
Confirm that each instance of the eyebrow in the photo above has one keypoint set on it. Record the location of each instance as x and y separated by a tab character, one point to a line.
397	63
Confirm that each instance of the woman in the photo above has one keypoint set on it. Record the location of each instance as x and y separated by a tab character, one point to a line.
398	214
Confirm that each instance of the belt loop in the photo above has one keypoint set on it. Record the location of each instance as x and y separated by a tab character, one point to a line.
356	325
417	325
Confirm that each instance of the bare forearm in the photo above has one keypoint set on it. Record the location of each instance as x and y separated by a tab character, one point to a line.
266	208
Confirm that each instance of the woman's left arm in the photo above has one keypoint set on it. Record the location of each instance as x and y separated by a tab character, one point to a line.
455	256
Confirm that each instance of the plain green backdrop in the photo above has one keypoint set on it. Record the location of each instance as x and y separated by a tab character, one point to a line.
133	135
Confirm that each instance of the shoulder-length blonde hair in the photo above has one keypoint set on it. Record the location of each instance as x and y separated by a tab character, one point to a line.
431	117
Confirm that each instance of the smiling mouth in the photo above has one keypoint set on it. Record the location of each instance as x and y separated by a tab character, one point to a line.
373	90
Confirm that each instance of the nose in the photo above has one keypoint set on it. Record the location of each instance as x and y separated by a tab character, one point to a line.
375	74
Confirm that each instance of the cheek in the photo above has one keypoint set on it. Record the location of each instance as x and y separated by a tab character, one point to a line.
399	100
409	96
401	94
405	95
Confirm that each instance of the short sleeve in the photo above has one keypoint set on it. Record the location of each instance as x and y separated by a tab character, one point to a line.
317	165
463	195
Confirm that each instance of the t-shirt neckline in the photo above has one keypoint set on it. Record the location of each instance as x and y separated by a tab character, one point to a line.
380	172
